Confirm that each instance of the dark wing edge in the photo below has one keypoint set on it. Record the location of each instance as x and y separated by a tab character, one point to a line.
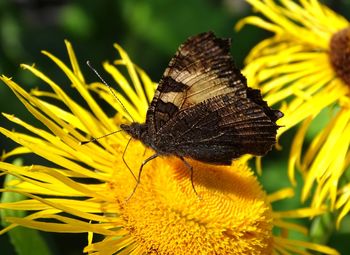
255	96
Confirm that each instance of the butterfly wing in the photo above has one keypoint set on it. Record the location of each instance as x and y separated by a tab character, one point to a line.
203	108
218	130
201	68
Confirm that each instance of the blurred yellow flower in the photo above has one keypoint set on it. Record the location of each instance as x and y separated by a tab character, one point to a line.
85	187
306	64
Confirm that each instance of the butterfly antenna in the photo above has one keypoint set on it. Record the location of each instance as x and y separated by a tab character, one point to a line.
97	138
109	87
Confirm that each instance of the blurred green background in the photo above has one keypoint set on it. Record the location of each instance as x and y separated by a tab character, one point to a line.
150	31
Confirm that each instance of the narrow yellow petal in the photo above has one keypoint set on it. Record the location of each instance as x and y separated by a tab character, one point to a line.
150	86
125	108
299	213
281	194
343	204
324	158
69	226
82	89
15	152
291	226
259	22
133	75
62	207
74	62
296	149
291	244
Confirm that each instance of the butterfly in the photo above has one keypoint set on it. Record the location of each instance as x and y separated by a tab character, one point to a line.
204	110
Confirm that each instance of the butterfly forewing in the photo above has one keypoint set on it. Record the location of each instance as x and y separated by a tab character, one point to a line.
201	68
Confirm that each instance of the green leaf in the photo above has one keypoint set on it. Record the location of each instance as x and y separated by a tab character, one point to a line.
322	228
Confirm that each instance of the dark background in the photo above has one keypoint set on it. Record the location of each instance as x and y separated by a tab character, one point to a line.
150	32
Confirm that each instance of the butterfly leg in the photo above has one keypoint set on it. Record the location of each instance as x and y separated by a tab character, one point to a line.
191	170
140	171
123	158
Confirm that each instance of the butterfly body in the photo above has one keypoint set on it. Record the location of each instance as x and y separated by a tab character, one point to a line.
203	108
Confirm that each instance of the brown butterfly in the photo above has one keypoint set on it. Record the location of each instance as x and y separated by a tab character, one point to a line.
203	109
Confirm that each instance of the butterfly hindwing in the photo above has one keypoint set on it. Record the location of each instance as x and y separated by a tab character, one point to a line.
218	130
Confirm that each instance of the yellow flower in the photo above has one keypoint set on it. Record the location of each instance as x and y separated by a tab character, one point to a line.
86	186
307	63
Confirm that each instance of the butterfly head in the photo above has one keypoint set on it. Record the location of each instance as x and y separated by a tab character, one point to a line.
136	130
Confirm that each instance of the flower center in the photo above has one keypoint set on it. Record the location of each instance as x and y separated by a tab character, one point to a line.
340	54
165	216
